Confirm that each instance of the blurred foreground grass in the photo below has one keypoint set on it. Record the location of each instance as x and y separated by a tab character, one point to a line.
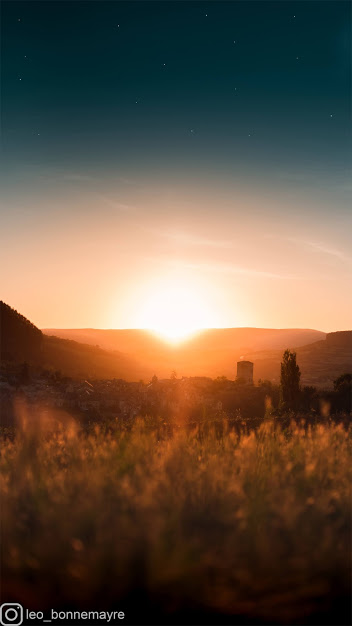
204	525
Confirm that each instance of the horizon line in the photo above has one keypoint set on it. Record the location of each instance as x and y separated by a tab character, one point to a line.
153	330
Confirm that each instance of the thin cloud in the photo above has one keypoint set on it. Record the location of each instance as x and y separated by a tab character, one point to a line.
329	251
225	268
79	178
325	249
193	240
229	268
96	181
120	206
84	178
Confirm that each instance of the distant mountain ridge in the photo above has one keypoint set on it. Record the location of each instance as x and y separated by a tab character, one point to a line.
213	352
320	362
138	354
128	340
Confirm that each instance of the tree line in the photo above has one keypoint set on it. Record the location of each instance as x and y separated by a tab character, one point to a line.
294	398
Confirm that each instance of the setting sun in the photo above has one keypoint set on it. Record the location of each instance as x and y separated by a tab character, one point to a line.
176	311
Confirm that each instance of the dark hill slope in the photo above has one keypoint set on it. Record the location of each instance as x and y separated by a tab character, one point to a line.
82	360
21	341
320	362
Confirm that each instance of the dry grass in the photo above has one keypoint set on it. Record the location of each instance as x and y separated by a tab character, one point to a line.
255	526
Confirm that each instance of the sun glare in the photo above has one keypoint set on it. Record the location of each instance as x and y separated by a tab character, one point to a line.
175	312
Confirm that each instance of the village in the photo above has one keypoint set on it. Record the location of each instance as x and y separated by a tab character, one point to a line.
179	398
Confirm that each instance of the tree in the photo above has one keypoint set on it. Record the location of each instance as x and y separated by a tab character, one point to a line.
343	392
343	382
289	381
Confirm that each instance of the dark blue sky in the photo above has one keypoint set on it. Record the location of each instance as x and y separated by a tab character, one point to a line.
85	83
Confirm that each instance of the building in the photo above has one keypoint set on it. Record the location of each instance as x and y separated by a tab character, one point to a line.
245	371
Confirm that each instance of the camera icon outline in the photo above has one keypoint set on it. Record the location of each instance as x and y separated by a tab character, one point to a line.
15	607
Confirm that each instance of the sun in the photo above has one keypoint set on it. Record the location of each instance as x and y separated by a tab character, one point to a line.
176	311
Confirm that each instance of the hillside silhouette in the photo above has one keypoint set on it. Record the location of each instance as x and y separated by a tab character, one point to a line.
21	341
19	338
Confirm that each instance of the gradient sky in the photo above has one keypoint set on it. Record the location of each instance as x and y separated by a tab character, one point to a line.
195	150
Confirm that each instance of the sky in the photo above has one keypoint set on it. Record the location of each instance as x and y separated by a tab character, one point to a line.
176	163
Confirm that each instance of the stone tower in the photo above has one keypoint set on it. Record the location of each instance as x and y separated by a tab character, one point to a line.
245	371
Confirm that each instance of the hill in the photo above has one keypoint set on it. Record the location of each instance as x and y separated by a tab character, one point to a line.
21	341
212	352
320	362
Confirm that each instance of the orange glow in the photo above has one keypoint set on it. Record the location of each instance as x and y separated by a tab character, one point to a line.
175	311
173	265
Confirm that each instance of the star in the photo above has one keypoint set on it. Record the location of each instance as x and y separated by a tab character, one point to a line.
234	41
20	79
192	131
206	15
19	19
331	115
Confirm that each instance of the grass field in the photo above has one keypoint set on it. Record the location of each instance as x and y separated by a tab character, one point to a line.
204	526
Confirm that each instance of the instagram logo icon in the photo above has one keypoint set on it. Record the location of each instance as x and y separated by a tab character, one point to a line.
11	613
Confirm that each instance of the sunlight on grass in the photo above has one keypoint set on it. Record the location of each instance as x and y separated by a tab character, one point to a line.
255	524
